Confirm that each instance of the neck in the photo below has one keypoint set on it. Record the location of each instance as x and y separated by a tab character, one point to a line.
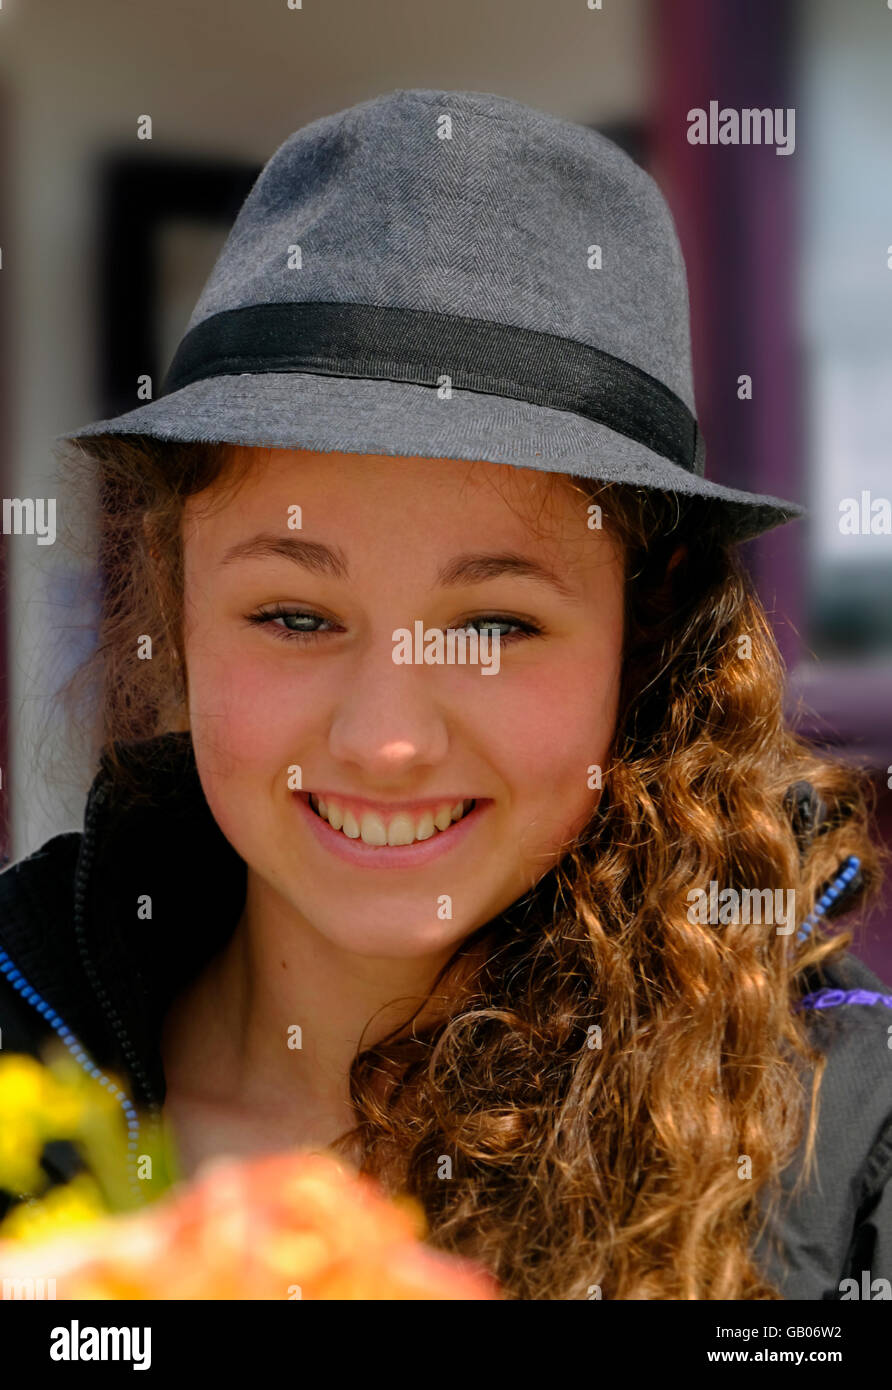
273	1023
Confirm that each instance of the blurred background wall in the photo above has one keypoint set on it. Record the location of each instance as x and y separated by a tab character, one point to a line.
106	241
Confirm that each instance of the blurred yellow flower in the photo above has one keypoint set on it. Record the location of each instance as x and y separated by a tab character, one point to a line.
23	1084
73	1204
21	1145
58	1100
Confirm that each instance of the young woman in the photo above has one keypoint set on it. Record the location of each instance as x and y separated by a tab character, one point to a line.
540	939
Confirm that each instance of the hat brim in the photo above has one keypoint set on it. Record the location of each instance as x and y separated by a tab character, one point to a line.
300	410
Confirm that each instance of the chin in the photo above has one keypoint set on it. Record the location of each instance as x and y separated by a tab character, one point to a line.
373	935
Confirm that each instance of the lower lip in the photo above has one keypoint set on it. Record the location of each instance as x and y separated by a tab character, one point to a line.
390	856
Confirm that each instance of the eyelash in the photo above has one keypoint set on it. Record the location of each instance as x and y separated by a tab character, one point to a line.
267	618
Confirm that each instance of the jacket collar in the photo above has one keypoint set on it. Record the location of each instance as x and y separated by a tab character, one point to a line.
158	891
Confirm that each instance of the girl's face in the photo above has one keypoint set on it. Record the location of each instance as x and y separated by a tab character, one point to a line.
286	709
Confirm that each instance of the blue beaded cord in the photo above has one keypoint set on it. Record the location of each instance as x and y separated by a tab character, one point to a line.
32	997
848	870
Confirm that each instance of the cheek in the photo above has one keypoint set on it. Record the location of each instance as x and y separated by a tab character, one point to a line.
552	725
249	713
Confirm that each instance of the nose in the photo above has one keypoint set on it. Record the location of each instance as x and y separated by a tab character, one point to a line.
388	721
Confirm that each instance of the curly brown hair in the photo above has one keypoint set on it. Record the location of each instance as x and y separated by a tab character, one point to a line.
596	1065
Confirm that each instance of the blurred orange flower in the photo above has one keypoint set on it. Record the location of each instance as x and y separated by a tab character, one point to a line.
298	1225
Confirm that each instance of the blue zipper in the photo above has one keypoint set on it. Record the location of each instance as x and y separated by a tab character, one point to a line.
841	885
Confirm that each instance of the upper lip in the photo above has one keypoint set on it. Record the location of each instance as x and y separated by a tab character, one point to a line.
390	808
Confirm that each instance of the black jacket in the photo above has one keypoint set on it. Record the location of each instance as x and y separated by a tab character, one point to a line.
81	960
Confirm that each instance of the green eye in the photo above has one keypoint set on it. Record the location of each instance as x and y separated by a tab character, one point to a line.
522	628
297	623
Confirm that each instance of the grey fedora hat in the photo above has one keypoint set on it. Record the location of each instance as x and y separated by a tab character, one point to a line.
442	274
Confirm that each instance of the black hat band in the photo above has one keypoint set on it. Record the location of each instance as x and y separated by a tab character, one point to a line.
419	346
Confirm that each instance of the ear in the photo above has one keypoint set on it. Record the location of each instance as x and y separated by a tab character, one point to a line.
807	812
679	553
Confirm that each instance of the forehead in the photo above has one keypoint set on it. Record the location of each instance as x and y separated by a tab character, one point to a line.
373	490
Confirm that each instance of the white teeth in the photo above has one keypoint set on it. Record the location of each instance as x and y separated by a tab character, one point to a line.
401	829
424	827
372	829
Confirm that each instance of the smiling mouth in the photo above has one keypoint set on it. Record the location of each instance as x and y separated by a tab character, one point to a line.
402	828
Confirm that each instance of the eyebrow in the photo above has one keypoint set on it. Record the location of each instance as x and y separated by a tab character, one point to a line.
312	555
474	567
